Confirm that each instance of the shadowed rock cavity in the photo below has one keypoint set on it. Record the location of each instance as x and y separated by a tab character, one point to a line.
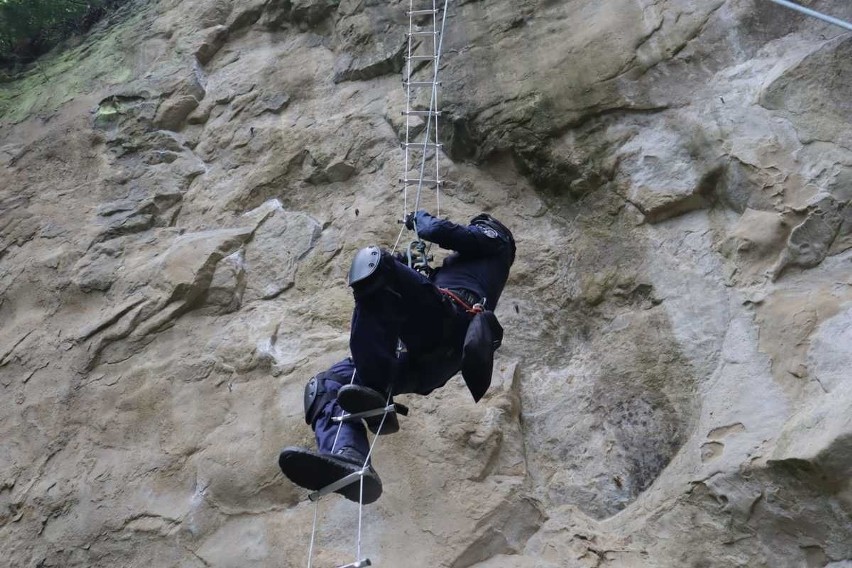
627	412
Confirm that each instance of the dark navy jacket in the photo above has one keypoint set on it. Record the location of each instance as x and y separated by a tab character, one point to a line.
481	260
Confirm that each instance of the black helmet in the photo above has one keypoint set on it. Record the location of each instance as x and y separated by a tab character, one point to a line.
486	220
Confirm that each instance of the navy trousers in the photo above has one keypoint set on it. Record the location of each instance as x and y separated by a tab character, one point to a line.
404	306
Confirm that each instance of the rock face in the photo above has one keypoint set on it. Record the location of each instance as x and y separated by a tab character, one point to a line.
183	191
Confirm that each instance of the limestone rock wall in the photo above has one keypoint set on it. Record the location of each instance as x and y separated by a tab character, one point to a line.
181	195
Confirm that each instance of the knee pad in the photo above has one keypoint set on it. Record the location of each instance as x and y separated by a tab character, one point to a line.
318	392
364	273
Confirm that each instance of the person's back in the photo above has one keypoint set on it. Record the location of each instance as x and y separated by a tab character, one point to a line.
484	252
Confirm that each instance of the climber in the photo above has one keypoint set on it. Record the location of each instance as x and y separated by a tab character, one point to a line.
410	334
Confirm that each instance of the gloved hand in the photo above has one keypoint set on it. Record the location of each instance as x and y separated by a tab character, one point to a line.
414	217
409	221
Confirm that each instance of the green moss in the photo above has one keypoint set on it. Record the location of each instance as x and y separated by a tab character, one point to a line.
98	63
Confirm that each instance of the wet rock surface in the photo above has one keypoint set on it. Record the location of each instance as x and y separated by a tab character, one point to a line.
182	193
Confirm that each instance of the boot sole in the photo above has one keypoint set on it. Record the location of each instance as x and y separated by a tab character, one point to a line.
314	471
355	398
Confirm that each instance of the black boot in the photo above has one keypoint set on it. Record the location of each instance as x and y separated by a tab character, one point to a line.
356	398
313	471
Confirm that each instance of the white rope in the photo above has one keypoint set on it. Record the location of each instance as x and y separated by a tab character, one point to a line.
398	238
432	112
431	115
407	110
360	518
435	96
342	413
316	503
433	104
313	534
364	468
438	55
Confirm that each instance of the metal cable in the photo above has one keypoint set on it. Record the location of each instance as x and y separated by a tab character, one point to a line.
814	14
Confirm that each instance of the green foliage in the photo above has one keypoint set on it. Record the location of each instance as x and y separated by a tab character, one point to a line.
29	28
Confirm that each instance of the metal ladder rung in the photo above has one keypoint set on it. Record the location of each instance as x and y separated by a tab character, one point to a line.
346	417
359	564
340	483
421	113
420	83
422	145
424	181
423	12
393	408
432	33
421	57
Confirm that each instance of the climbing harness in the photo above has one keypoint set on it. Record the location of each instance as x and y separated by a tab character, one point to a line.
421	170
814	14
466	305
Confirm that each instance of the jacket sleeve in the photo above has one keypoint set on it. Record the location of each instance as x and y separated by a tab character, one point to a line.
467	240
